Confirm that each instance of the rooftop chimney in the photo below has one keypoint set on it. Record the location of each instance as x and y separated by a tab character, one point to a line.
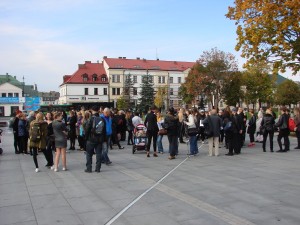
124	57
120	57
105	57
138	58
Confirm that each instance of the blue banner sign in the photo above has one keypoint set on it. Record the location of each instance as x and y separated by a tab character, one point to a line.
9	100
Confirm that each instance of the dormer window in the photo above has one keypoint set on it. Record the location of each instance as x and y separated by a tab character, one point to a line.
103	78
85	77
94	77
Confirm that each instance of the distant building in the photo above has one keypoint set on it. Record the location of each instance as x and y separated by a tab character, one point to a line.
16	95
87	85
49	98
169	74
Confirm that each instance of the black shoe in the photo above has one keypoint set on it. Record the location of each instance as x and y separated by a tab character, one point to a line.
97	171
297	147
229	154
87	171
108	163
271	151
281	151
264	150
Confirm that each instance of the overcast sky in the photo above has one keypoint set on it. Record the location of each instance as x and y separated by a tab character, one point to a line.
43	40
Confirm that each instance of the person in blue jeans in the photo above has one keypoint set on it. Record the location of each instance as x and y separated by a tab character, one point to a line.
105	144
192	136
160	136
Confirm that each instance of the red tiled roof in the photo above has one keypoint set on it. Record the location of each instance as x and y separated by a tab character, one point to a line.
144	64
89	70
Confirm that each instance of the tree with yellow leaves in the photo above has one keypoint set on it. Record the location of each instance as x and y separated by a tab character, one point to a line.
268	30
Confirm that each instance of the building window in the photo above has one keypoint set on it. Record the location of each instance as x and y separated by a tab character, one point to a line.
103	78
134	79
94	77
3	95
104	91
10	95
159	79
179	80
171	91
116	78
135	91
86	91
171	103
95	91
16	94
171	80
116	91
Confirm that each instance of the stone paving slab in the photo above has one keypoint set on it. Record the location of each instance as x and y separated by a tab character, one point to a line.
251	188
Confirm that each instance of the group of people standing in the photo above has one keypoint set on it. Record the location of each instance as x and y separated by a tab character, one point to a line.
39	133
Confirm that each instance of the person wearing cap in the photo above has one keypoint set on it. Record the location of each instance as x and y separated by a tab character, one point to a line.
234	135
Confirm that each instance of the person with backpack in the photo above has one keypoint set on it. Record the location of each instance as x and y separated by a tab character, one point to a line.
37	136
95	136
60	136
215	124
284	132
267	128
251	127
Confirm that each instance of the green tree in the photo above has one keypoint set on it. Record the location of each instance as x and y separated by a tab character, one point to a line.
147	93
160	96
268	31
122	103
213	68
128	90
184	95
287	93
232	90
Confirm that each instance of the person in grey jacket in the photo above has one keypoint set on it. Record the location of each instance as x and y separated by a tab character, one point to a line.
215	124
284	132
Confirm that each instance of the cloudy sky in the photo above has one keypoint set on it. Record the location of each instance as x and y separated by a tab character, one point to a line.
43	40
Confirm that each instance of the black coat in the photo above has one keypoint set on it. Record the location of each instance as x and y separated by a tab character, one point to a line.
268	122
252	125
151	122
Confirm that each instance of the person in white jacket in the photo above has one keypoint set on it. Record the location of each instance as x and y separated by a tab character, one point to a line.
192	132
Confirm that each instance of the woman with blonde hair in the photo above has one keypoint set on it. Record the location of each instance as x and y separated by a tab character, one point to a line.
38	137
181	117
267	128
60	134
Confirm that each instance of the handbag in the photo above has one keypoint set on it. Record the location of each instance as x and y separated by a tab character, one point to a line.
162	131
192	131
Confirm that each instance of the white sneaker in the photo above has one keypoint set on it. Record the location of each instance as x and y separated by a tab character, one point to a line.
52	167
37	170
55	169
64	169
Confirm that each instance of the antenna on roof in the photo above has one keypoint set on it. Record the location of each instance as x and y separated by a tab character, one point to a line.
156	54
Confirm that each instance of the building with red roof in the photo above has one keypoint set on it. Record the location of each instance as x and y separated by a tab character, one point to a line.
88	84
168	74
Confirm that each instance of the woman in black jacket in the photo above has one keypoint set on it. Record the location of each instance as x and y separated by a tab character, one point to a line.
267	128
251	127
171	123
284	131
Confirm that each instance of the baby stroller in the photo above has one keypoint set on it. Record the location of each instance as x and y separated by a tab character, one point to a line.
1	150
139	138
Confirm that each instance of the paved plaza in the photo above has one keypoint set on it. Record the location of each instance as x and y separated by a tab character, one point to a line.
251	188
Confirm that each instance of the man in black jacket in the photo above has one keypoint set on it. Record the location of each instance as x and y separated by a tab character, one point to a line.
15	131
152	130
284	132
94	141
235	133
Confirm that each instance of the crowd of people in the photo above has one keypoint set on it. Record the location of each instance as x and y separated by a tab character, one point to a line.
98	129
